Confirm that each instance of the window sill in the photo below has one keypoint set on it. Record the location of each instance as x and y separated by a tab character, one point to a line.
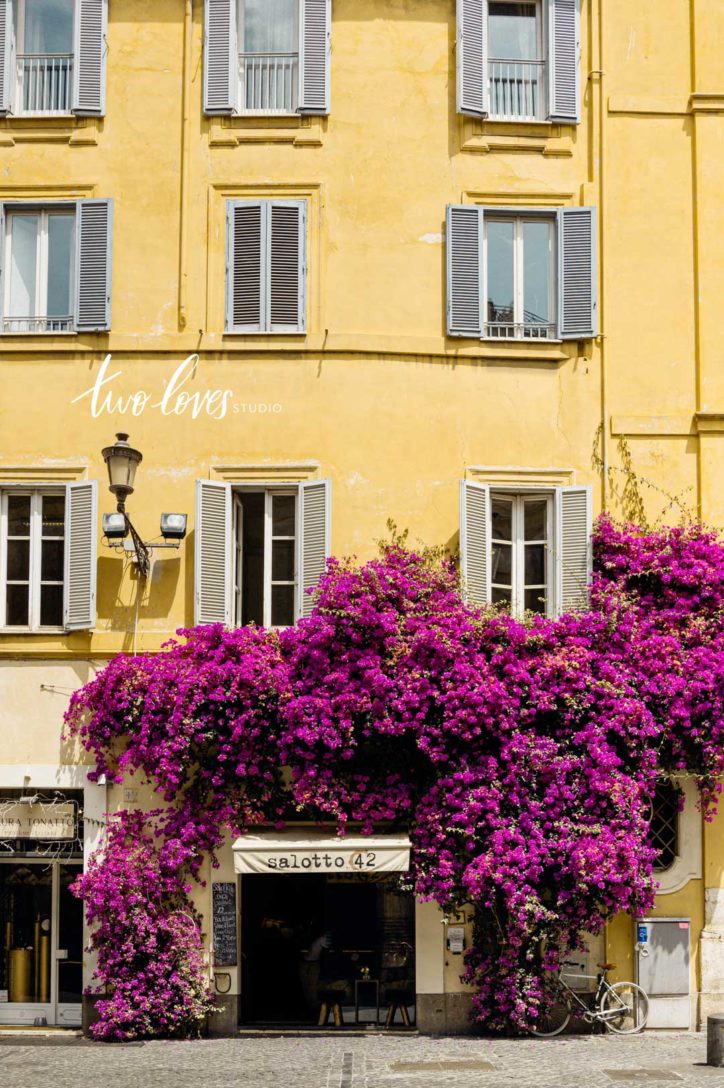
256	335
64	128
299	130
33	631
548	138
49	332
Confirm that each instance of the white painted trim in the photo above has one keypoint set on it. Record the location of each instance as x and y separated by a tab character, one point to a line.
688	861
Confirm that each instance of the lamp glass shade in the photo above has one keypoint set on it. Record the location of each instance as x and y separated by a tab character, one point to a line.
121	461
173	526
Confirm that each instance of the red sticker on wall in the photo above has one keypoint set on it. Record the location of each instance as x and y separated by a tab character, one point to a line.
683	925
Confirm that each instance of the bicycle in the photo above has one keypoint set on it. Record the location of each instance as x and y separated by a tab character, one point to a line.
623	1007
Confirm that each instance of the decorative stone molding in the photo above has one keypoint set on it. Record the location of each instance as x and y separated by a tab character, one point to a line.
273	472
32	475
512	476
526	137
235	131
74	131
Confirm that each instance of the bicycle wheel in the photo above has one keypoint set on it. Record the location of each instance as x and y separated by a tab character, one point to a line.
626	1007
554	1020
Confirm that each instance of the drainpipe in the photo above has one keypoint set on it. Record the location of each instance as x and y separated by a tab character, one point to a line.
600	73
184	172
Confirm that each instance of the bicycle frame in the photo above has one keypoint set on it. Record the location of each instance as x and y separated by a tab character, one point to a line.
590	1014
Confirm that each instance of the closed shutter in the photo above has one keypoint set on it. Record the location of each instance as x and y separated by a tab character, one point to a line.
89	80
287	265
81	544
221	60
94	250
475	549
564	21
6	54
574	523
316	46
213	552
314	539
464	270
577	273
245	266
472	62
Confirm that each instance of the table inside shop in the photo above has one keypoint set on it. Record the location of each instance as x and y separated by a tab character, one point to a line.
372	986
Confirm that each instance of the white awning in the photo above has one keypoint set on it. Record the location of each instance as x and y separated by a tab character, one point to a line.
309	851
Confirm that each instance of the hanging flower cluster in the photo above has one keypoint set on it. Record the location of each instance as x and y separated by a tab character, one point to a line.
521	756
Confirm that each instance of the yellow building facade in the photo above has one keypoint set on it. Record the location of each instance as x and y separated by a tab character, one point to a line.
330	264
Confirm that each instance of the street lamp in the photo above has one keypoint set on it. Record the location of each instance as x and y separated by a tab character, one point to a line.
122	460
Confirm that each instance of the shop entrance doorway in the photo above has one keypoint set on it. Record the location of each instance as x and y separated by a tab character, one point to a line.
41	943
317	947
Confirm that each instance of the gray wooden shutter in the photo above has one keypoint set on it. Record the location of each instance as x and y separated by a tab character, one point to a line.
93	258
6	54
313	539
577	302
315	52
213	553
89	77
475	548
221	57
246	266
574	523
287	264
2	262
472	59
564	21
81	545
464	270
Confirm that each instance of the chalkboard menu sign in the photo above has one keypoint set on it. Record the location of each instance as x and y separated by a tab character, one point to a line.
224	902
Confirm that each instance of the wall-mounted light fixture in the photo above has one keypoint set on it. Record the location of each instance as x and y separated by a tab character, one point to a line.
122	460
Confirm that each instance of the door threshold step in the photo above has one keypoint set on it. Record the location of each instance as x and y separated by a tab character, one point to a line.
326	1033
47	1031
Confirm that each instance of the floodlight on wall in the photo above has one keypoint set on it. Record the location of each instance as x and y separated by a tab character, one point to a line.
122	460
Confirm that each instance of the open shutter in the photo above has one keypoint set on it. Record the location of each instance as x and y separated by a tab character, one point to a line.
221	59
81	545
577	273
574	524
314	539
472	59
89	77
475	549
287	231
564	25
6	54
213	553
464	270
246	266
316	46
2	264
94	251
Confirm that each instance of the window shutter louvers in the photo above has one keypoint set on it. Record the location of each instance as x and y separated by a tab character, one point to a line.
573	548
464	270
314	539
564	20
472	76
221	60
6	53
81	544
94	250
316	45
475	548
246	266
213	551
287	262
89	81
577	273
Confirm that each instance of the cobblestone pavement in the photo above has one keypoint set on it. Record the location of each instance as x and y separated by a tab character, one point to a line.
357	1062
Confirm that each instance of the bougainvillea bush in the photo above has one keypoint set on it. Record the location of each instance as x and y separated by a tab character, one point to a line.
521	756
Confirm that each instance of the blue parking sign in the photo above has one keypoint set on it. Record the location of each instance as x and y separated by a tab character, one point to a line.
643	934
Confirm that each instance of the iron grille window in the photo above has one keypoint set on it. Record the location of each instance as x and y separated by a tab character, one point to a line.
664	828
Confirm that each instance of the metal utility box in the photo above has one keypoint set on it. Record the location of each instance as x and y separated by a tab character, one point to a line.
663	959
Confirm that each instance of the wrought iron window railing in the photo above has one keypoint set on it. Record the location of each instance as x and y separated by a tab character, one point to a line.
517	89
268	82
45	82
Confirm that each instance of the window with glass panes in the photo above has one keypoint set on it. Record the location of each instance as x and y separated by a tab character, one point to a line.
516	65
268	55
521	534
520	277
265	557
32	556
44	35
39	263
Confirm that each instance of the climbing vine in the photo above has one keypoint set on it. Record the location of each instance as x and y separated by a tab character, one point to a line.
521	756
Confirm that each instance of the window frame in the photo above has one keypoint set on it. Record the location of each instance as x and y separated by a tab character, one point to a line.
543	58
676	799
241	108
35	580
16	94
518	497
269	492
43	211
519	221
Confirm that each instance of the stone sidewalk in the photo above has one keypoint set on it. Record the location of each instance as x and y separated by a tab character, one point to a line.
349	1061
